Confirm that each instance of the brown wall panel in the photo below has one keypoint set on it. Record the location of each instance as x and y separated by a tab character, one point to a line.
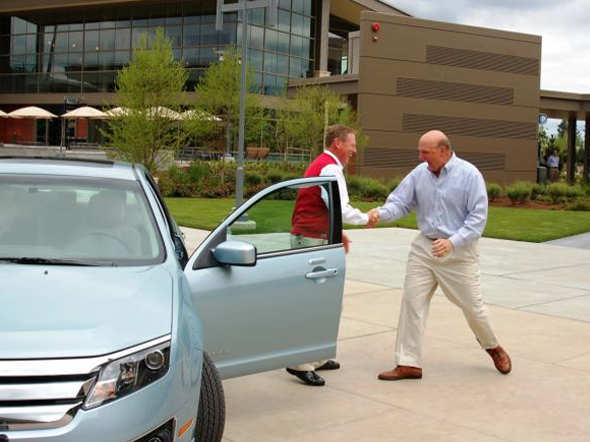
516	152
480	86
445	90
387	112
485	61
380	76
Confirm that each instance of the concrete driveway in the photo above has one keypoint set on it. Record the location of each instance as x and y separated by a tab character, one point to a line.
539	301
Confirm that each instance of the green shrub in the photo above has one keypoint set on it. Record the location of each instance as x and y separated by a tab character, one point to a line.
180	183
365	188
519	192
275	176
165	184
538	190
373	190
544	199
252	178
354	186
494	191
198	170
579	205
574	192
557	191
392	184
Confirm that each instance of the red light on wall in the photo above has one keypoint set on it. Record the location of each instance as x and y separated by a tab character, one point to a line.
375	27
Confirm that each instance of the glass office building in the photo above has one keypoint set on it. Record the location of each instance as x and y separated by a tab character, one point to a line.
79	50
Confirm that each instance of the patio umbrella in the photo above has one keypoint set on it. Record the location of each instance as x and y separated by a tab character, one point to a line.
162	111
32	112
82	112
35	113
198	115
116	112
85	112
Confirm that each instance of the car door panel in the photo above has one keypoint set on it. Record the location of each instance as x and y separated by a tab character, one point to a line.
284	310
273	309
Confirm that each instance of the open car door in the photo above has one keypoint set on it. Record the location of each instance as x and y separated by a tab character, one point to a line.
269	297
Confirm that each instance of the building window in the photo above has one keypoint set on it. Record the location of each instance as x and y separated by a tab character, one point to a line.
83	55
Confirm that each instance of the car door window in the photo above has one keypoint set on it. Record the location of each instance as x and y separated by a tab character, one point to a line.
292	217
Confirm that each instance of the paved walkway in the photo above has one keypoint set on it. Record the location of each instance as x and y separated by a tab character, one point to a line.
539	301
581	241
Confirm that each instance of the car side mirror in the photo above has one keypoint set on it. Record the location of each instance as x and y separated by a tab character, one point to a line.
235	253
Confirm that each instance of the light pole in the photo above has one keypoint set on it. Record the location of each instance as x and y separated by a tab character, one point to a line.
242	6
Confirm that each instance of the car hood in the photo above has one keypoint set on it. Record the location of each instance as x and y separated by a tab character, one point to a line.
57	312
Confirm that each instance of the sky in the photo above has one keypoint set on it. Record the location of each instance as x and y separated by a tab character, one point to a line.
563	26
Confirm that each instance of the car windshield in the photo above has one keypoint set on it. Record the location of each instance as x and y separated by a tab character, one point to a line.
76	221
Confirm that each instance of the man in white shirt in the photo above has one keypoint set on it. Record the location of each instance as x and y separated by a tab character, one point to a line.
309	220
553	163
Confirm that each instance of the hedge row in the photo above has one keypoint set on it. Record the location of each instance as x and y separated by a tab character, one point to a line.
557	193
216	179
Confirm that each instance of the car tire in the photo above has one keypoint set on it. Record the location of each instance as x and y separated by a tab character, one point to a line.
211	413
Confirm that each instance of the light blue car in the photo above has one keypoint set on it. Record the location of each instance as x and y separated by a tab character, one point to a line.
110	332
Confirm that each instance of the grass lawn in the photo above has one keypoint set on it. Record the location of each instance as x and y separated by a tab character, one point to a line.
534	225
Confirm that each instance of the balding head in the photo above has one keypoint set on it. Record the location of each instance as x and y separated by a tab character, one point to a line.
435	138
435	148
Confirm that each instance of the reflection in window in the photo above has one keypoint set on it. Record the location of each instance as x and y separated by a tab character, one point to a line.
91	41
174	33
190	37
280	226
76	41
107	40
61	42
122	39
90	45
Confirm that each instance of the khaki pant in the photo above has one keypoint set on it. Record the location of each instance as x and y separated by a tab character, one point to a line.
458	276
297	242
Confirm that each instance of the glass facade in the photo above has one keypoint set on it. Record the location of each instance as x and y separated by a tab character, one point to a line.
80	51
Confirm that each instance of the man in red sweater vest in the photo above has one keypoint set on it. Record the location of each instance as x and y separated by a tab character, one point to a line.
310	220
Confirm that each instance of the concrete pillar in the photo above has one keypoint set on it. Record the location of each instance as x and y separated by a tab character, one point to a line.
571	147
324	39
587	150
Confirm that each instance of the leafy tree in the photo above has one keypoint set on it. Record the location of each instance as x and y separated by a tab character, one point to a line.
303	119
218	94
149	90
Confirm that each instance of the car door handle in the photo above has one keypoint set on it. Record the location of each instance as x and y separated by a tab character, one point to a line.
328	273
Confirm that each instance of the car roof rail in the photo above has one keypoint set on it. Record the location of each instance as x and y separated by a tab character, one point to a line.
40	157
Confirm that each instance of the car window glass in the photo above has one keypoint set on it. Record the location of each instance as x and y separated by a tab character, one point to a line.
89	220
289	218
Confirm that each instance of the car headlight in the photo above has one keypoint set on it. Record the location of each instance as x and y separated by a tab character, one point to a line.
128	374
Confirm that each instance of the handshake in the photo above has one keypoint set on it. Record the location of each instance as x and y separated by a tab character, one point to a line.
373	217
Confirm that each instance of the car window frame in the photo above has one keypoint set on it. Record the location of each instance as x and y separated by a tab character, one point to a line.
171	226
160	258
219	234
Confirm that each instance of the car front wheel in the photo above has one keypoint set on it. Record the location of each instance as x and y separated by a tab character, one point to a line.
211	414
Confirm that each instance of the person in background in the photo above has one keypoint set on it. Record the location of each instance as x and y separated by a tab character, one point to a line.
553	164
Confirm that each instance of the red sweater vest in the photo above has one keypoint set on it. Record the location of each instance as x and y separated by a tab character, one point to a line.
310	216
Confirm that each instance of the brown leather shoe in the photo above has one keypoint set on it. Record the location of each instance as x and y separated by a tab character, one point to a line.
401	372
501	359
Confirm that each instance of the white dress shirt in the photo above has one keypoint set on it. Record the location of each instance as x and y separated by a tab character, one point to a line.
350	215
453	205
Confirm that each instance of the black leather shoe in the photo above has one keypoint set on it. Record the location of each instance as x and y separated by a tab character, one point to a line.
308	377
329	365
